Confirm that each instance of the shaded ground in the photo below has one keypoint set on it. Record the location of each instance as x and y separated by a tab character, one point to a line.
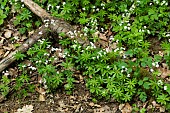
79	102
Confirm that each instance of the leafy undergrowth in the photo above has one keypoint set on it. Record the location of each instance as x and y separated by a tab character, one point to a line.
128	57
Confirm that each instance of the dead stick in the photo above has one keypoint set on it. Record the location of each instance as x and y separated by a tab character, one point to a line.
52	24
41	32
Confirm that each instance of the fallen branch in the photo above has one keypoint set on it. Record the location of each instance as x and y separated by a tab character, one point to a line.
52	24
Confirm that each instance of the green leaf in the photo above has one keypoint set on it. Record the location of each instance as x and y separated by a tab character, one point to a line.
140	82
146	85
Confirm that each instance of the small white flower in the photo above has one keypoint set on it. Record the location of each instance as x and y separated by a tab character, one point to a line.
125	27
138	1
53	49
128	24
102	4
40	33
93	7
22	5
6	74
97	9
46	24
93	58
64	3
126	10
124	56
165	87
117	49
83	8
153	64
160	82
32	68
123	67
148	32
57	7
157	65
46	21
92	45
122	71
74	46
151	70
48	46
167	35
128	75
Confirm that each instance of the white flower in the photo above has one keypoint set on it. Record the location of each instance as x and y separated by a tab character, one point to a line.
93	7
167	35
74	46
6	74
128	24
153	64
151	70
157	65
92	45
84	9
57	7
165	87
32	68
53	49
64	3
46	24
160	82
124	56
123	67
40	33
102	4
97	9
125	27
128	75
148	32
46	21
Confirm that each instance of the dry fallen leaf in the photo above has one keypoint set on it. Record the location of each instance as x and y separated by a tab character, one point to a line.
103	37
41	98
1	52
91	104
8	34
126	108
105	109
164	72
25	109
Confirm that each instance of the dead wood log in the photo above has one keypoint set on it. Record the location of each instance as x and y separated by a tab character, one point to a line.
50	24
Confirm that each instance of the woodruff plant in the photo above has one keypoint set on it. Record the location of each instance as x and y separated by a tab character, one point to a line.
108	74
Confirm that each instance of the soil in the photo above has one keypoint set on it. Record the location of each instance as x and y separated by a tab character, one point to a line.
79	102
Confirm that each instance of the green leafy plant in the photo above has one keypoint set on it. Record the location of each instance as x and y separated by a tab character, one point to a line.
2	17
127	71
